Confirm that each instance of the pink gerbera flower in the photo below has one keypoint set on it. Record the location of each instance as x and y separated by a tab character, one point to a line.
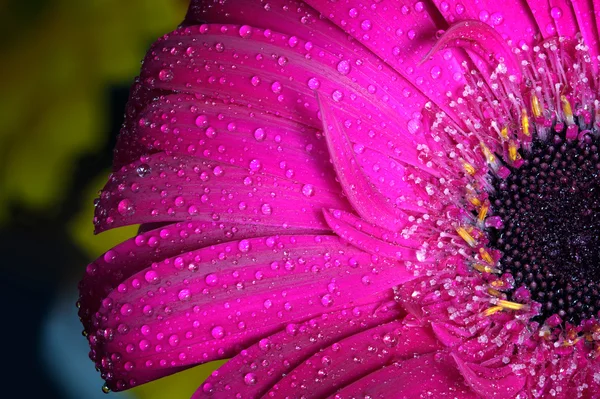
359	199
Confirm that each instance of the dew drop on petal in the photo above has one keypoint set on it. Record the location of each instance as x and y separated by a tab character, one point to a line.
245	31
152	277
343	67
126	207
202	121
217	332
259	134
250	379
184	294
211	279
244	245
308	190
314	83
165	75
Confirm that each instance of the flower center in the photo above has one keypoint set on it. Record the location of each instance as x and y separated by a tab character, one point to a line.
550	240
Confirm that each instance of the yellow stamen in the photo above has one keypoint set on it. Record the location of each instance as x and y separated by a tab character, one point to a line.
536	107
468	168
504	133
497	283
491	158
475	201
512	151
485	255
485	268
464	234
567	109
483	212
492	310
494	292
525	122
511	305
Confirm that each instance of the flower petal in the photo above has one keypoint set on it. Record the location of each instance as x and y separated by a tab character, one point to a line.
131	256
168	188
364	197
370	238
232	134
492	383
567	18
352	358
258	368
255	67
512	20
401	33
208	304
429	375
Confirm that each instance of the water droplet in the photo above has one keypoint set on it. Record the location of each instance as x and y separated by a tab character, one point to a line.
266	209
255	165
165	75
217	332
436	71
126	309
211	279
556	12
366	25
276	87
126	207
184	294
250	379
343	67
143	170
202	121
152	277
245	31
244	245
314	83
308	190
327	300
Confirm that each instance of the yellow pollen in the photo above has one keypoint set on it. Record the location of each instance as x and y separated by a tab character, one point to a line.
475	201
567	109
483	212
512	151
488	154
536	107
492	310
497	283
485	268
494	292
485	255
468	168
511	305
525	122
464	234
504	133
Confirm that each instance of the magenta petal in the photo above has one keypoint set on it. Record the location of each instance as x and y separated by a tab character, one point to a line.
492	383
364	197
168	188
131	256
210	303
480	38
370	238
254	370
352	358
400	32
511	19
231	134
429	375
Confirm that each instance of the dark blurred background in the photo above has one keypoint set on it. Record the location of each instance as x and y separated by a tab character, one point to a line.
65	75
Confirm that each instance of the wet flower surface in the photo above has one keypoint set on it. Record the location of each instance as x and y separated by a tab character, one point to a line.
358	199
